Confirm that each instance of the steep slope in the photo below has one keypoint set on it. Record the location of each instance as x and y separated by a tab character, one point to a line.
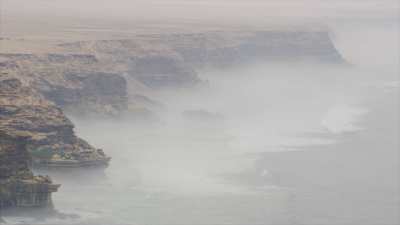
18	186
102	78
77	83
213	49
155	62
51	140
219	49
117	77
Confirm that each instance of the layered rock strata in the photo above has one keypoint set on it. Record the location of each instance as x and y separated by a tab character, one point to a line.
50	137
103	77
74	82
175	52
18	186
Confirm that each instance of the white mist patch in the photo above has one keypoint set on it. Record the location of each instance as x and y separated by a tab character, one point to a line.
342	118
214	132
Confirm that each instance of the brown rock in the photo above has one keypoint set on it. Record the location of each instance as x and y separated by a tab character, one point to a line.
48	131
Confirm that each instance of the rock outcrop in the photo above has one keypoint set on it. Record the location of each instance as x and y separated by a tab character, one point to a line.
220	49
94	93
74	82
103	77
51	140
162	71
18	186
169	52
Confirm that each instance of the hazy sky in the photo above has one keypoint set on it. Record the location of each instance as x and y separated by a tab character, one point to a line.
203	8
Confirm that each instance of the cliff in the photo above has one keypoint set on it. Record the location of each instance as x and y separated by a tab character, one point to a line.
194	51
113	78
155	62
74	82
220	49
18	186
50	137
102	78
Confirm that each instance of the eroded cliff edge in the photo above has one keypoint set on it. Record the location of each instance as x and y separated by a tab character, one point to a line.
18	186
50	137
119	77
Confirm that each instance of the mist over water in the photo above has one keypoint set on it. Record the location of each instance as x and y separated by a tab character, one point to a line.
260	144
267	143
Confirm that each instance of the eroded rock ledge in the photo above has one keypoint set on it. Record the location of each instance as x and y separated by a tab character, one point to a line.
18	186
50	137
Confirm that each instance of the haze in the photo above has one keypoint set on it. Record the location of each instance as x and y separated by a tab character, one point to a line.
269	143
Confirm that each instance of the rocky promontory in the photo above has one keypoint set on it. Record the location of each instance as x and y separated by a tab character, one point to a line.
18	186
76	83
50	137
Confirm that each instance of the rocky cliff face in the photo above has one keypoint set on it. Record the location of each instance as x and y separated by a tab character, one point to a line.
74	82
226	49
150	63
214	49
51	140
153	62
18	186
103	77
95	92
162	71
